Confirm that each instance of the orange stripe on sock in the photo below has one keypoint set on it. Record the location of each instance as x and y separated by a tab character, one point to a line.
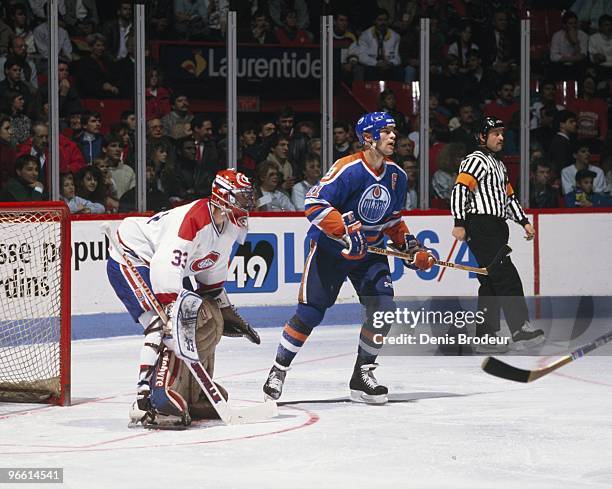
296	335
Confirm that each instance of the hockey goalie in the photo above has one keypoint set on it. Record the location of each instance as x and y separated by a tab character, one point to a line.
194	240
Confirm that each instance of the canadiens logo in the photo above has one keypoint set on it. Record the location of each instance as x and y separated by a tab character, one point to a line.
374	203
206	262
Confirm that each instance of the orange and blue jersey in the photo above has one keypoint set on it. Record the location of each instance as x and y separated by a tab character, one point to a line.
375	197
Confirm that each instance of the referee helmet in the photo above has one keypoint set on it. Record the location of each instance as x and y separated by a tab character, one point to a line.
486	125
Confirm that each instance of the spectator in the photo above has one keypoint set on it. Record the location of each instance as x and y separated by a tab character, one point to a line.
207	153
279	156
312	175
585	193
8	155
314	146
591	114
76	204
450	85
480	84
155	134
500	45
464	133
157	96
444	178
541	193
90	139
462	46
39	8
388	103
288	34
600	47
404	146
123	176
505	105
260	31
548	98
278	7
247	150
512	136
179	118
190	179
379	50
298	145
582	161
13	105
191	19
41	40
17	49
157	157
18	21
111	202
590	11
285	121
12	82
24	186
157	200
79	14
5	35
542	135
69	101
123	70
568	49
94	75
117	31
342	144
560	153
159	19
89	185
410	166
71	159
74	129
268	195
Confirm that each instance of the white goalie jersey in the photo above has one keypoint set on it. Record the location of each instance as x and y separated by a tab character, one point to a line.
180	243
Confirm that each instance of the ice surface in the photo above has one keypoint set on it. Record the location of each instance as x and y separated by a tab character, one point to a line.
449	425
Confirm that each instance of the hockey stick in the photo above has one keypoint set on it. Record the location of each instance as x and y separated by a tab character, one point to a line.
503	252
501	369
228	415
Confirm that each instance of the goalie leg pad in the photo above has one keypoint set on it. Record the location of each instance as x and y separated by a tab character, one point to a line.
168	404
209	328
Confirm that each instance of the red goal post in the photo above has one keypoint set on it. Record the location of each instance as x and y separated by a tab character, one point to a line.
35	302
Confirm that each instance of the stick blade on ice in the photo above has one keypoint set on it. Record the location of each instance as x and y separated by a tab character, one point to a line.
496	367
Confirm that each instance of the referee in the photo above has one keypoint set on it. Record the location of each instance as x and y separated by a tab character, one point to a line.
481	201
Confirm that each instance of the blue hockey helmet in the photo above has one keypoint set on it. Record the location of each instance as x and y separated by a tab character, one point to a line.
373	123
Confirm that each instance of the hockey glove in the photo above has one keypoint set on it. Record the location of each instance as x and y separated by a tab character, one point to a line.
422	258
355	239
235	326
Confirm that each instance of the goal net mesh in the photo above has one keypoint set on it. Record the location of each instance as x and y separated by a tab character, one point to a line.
30	297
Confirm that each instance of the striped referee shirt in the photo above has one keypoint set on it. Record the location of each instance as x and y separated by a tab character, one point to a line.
482	187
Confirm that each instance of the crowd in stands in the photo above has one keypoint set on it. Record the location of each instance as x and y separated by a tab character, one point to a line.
474	72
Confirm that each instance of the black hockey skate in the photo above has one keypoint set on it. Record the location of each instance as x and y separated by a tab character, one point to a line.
527	337
364	386
273	388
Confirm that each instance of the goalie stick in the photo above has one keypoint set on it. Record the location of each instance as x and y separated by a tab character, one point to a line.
501	254
262	411
496	367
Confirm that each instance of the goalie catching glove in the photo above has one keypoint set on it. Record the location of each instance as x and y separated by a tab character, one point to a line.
422	259
234	325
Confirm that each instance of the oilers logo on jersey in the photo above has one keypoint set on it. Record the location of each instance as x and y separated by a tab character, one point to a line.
374	203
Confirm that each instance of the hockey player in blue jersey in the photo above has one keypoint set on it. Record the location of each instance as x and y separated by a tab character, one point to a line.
357	203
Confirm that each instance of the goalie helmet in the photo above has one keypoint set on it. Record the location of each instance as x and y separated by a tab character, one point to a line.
232	193
373	123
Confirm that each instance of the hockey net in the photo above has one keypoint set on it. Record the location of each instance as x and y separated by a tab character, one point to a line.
35	302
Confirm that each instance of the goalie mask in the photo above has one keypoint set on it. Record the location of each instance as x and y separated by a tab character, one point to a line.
232	192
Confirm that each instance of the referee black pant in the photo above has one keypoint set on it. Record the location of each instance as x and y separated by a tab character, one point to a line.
502	288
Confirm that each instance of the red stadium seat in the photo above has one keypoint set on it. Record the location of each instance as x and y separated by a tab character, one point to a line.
513	165
367	93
